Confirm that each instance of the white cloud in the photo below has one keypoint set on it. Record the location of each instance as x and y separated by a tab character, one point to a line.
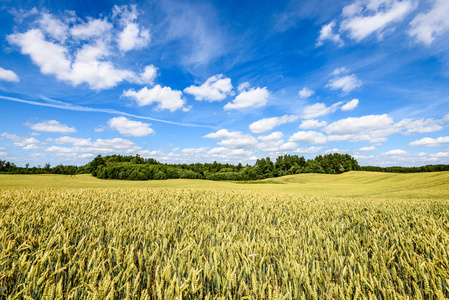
26	143
243	86
430	142
357	125
311	137
411	126
446	118
279	147
308	150
350	105
233	140
52	126
223	134
216	88
341	70
53	27
8	75
50	57
268	124
165	97
227	154
275	136
319	109
242	142
345	83
148	75
254	97
93	29
101	128
395	152
335	150
374	128
305	93
327	33
194	151
367	149
130	128
132	36
312	124
364	17
80	53
426	26
99	146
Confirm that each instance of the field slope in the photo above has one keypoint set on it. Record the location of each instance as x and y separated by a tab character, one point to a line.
350	184
356	235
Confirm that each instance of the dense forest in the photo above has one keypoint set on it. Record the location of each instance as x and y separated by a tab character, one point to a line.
139	168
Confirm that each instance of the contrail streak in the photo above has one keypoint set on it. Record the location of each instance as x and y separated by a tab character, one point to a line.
66	106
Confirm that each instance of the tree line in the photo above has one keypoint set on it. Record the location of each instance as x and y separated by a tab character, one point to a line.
427	168
139	168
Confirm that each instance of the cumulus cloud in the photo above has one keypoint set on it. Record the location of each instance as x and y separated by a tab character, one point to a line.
52	126
94	28
241	142
216	88
100	146
226	154
411	126
319	109
311	137
275	136
426	26
8	75
164	97
53	27
327	33
233	139
312	124
26	143
254	97
350	105
395	152
365	17
148	75
430	142
132	35
345	83
373	128
223	134
376	128
130	128
305	92
308	150
268	124
367	149
79	52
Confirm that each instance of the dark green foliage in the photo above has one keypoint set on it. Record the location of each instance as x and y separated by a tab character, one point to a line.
428	168
138	168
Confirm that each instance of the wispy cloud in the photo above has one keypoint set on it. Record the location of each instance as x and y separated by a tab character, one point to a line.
67	106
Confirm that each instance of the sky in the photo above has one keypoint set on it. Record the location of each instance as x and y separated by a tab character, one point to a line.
225	81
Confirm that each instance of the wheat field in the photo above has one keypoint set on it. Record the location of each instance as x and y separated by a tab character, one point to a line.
208	242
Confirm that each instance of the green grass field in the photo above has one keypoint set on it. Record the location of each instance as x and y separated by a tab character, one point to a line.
356	235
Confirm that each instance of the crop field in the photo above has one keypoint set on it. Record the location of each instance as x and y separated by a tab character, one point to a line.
357	235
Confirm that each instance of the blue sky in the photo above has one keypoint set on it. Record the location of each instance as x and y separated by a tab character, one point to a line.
227	81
